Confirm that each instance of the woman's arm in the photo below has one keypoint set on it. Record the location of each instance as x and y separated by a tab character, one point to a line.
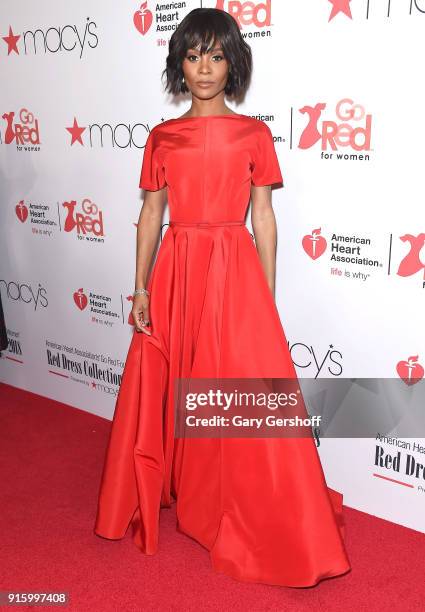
264	225
148	229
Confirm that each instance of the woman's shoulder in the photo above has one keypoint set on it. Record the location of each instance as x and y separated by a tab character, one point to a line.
258	126
161	129
261	124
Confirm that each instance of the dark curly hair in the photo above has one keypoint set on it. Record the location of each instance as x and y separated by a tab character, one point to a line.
202	26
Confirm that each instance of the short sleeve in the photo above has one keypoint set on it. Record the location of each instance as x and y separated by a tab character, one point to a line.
152	175
266	169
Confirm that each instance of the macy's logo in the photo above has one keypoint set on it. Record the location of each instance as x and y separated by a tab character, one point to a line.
340	6
23	292
53	39
337	133
410	371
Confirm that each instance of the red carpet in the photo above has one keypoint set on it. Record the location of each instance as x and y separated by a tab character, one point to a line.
51	458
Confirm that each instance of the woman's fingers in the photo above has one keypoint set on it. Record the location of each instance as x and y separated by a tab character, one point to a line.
141	316
145	322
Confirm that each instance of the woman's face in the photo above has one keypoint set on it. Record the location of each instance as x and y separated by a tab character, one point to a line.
205	75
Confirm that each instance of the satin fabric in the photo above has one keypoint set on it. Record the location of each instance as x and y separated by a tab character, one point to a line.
261	506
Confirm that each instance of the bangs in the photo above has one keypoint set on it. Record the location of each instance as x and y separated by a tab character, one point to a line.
204	36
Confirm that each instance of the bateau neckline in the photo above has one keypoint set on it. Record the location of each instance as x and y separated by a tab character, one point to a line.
207	117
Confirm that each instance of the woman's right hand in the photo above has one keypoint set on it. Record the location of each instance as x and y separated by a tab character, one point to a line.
140	312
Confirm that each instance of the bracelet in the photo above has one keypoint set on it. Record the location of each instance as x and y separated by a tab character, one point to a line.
140	292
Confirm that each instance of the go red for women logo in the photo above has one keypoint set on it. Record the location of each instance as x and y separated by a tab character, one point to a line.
411	263
314	244
350	128
410	371
246	12
88	222
24	131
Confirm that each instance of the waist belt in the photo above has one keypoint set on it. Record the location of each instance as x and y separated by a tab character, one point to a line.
205	223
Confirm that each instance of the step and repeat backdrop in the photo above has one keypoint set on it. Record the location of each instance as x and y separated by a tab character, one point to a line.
339	84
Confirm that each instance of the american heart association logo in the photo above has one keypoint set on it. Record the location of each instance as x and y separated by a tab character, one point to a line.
410	371
80	299
21	211
314	244
142	18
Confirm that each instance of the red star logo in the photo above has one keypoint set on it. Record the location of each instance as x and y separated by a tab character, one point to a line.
340	6
93	384
12	42
76	132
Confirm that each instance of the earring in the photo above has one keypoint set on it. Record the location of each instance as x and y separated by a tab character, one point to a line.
183	80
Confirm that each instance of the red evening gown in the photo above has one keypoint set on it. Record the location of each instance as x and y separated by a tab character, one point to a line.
261	506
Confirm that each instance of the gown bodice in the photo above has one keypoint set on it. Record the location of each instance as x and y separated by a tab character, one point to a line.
208	164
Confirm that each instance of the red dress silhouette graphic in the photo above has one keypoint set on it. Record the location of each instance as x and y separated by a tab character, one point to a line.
261	506
412	263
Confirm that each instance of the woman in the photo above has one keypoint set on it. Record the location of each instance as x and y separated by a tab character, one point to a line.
259	505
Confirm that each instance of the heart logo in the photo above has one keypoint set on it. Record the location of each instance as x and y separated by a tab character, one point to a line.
80	299
142	18
314	244
410	371
21	211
